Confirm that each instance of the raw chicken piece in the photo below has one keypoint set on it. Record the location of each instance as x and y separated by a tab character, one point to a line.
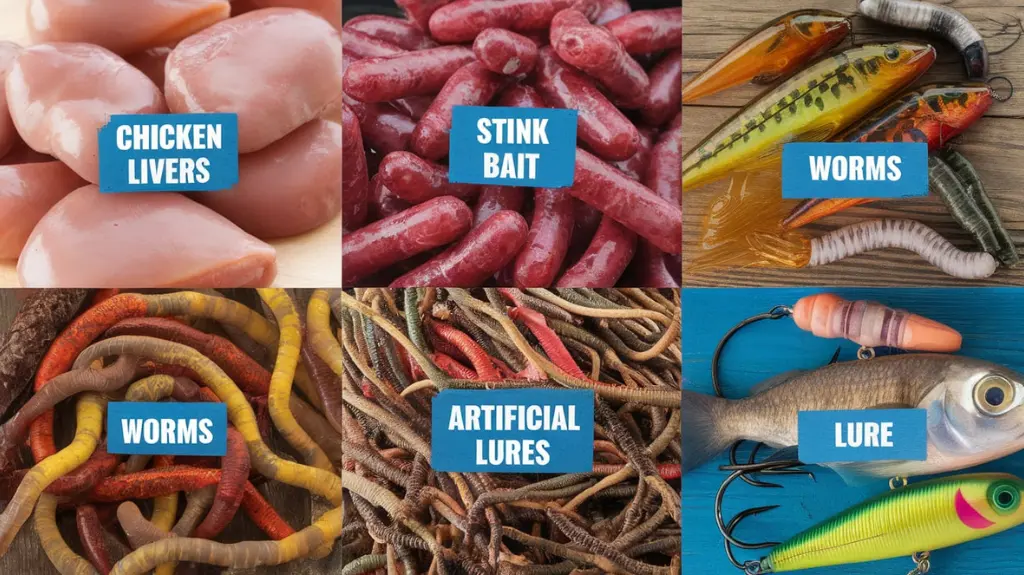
151	63
22	154
27	191
8	134
290	187
329	10
276	68
142	240
60	95
123	26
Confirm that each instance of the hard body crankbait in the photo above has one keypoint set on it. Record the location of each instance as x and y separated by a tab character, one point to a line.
814	106
773	51
932	114
917	518
975	412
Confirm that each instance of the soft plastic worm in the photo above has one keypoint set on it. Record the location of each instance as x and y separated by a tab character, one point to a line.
64	559
942	20
904	234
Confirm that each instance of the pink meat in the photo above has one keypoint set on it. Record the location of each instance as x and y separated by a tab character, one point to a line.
290	187
60	95
122	26
8	134
143	240
329	10
276	68
152	63
27	191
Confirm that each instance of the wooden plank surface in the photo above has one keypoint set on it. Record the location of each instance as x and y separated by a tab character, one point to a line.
988	318
994	144
295	505
310	260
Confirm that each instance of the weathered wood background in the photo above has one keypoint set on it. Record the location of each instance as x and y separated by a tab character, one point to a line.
26	556
995	144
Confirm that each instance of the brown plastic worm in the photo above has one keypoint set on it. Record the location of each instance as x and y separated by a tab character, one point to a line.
198	502
904	234
139	530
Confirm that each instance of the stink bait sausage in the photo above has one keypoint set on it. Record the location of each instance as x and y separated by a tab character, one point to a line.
360	45
416	180
462	20
666	93
419	11
540	260
606	258
432	224
384	127
494	199
520	96
485	250
411	74
354	181
597	52
505	52
470	85
401	33
602	127
649	31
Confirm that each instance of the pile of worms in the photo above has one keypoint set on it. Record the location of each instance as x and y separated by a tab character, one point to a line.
276	366
400	347
619	223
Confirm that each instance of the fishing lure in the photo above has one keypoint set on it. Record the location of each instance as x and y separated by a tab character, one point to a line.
773	51
936	19
812	106
906	521
933	114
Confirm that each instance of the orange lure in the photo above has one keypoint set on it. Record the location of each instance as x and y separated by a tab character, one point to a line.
771	52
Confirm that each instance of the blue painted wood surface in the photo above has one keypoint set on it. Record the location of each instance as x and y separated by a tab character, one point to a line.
992	323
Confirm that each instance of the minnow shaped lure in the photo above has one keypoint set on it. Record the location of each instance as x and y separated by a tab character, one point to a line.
936	19
773	51
812	106
932	114
920	517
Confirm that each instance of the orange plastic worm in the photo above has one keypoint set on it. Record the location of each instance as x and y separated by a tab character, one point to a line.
872	324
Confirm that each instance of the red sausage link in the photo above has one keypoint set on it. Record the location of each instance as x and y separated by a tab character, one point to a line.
666	93
414	106
521	96
494	199
540	260
655	269
416	180
504	52
586	219
416	230
462	20
361	45
605	260
383	127
484	251
383	202
602	127
604	11
663	174
419	73
628	202
354	180
636	166
597	52
470	85
648	31
419	11
401	33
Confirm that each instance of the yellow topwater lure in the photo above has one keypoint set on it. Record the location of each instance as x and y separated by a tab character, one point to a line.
812	106
771	52
907	521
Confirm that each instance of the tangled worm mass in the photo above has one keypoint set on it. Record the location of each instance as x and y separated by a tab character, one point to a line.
400	347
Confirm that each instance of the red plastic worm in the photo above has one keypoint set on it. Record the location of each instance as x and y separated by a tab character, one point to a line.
401	33
462	20
385	128
666	92
540	260
263	514
605	260
494	199
420	73
419	11
602	127
665	470
417	180
383	202
99	465
361	45
548	339
90	533
636	166
476	257
521	96
597	52
432	224
234	475
477	356
354	179
452	367
649	31
628	202
470	85
505	52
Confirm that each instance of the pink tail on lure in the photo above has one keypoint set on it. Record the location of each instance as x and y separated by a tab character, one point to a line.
872	324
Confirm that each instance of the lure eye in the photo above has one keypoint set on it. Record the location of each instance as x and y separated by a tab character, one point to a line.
994	395
1004	497
892	54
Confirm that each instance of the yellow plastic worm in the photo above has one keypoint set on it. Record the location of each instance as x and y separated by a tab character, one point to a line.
89	413
152	388
63	557
240	413
318	319
289	344
221	309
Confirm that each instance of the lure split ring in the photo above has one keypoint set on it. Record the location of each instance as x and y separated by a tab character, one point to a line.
995	95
